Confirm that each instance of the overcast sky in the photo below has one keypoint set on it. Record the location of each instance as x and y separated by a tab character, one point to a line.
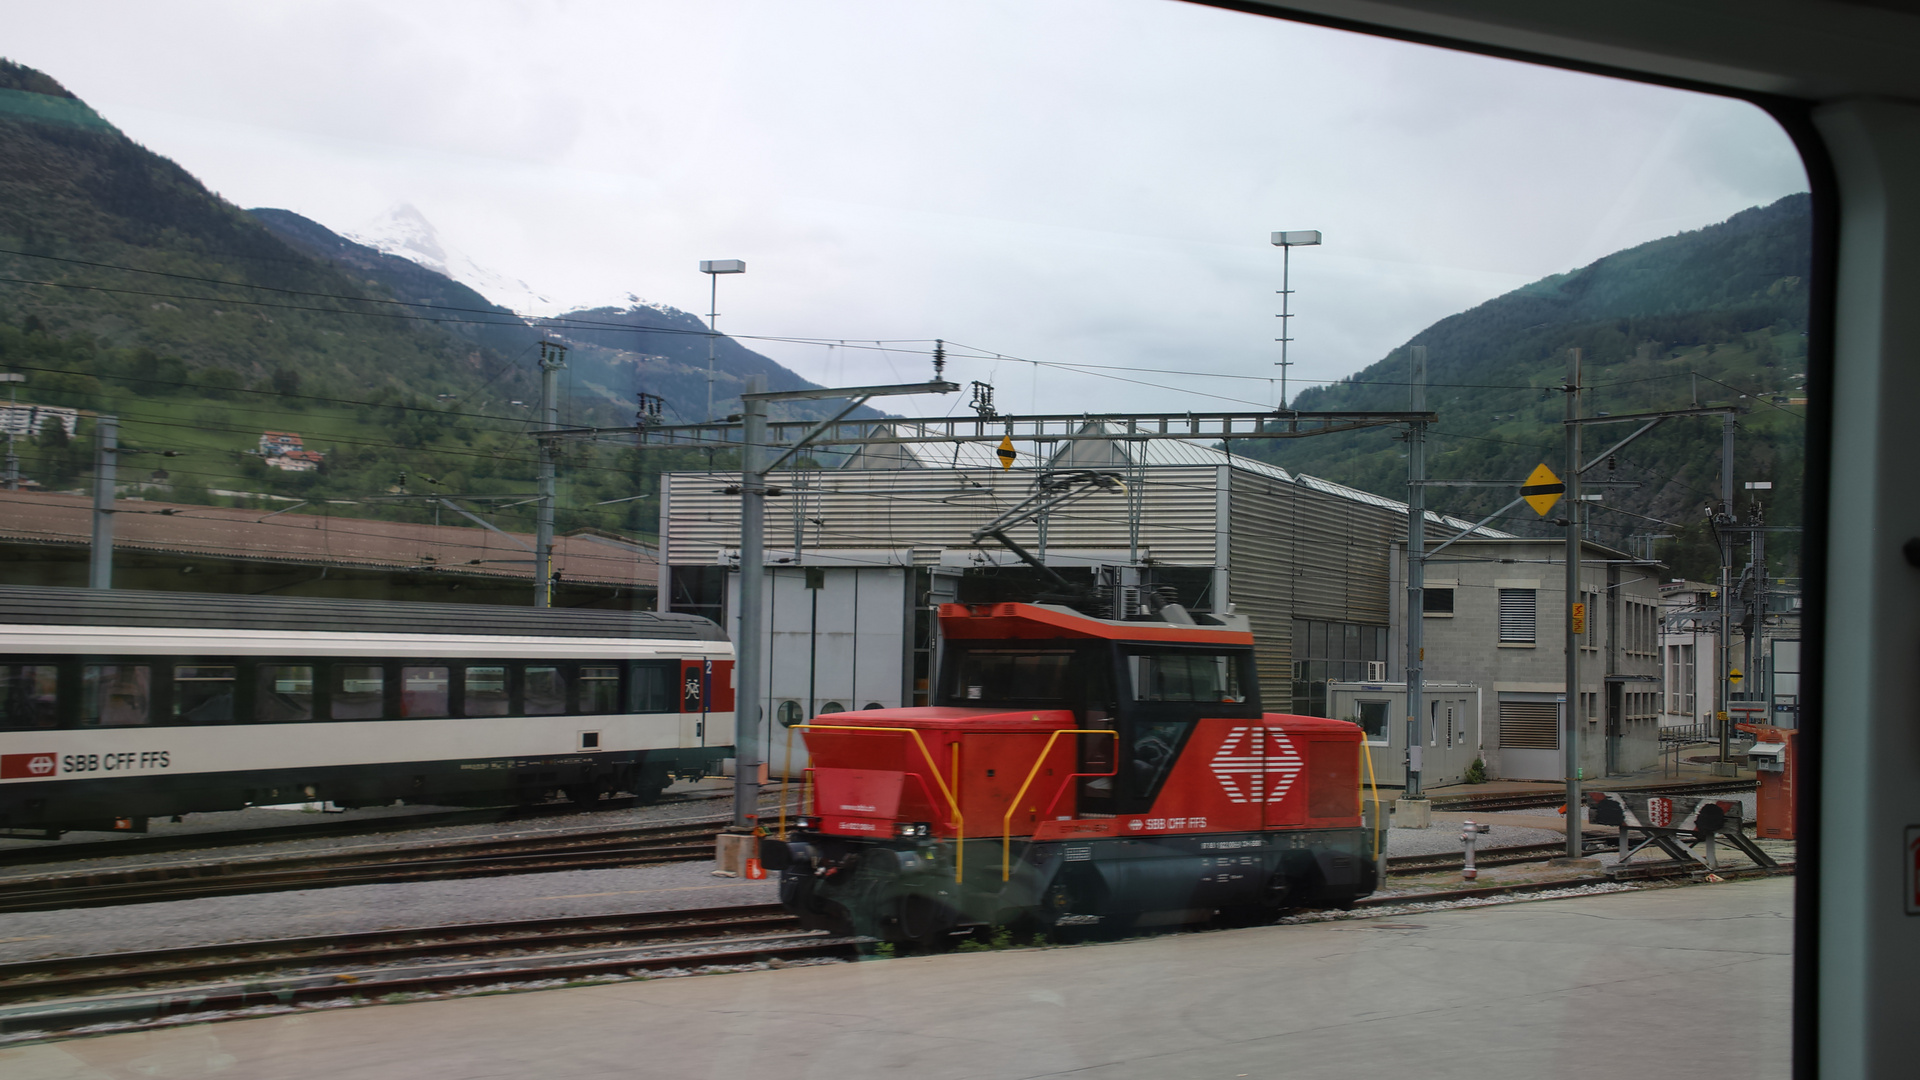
1071	181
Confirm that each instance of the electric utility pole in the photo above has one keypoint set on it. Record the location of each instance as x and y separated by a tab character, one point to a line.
106	445
1416	568
553	357
757	460
1725	536
1570	725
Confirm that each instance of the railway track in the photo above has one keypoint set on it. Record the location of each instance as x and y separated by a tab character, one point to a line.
678	841
56	851
1532	800
199	982
1406	865
144	986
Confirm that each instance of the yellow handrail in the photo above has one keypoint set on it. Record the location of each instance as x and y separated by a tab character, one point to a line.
953	805
1367	755
1006	823
785	777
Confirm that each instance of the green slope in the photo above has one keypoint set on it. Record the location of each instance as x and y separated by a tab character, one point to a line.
1717	315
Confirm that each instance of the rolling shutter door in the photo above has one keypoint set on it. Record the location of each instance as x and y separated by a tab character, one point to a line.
1530	725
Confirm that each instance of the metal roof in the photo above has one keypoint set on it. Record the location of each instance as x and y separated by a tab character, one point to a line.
46	606
317	539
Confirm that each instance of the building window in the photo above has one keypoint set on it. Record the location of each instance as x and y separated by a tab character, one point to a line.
1436	601
1518	613
1373	719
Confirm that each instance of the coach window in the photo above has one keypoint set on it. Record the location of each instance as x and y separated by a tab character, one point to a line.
653	687
284	692
599	689
486	691
203	694
359	692
115	695
28	694
546	691
423	692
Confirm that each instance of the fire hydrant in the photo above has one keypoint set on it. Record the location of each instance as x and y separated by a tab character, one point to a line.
1469	834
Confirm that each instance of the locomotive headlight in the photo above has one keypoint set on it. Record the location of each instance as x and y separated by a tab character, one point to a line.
913	830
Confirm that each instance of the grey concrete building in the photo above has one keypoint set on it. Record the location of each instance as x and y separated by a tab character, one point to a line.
860	556
1495	616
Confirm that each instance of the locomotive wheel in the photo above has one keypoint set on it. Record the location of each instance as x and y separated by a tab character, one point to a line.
924	921
1262	912
1074	897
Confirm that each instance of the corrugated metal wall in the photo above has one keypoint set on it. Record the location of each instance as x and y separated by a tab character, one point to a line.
1296	552
929	510
1293	551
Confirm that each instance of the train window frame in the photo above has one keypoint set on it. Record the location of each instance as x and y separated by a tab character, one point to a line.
406	710
334	692
670	688
91	715
464	684
205	673
55	712
582	679
564	707
261	680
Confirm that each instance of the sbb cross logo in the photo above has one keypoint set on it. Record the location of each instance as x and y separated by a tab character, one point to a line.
26	766
1659	812
1256	765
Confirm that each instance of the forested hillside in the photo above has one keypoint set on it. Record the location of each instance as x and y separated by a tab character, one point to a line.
1717	315
127	288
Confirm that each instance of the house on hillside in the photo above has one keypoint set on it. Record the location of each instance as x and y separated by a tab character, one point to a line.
29	420
273	444
298	460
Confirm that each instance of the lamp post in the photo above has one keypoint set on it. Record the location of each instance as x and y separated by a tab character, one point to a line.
713	268
1286	242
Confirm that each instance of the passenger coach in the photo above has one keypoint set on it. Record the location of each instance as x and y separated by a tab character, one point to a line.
120	706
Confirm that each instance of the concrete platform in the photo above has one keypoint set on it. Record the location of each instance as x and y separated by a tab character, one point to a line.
1687	982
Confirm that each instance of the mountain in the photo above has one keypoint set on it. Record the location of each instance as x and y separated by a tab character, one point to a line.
404	231
614	352
1717	315
129	289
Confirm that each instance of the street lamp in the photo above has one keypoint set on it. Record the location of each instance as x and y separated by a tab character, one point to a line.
1286	242
713	268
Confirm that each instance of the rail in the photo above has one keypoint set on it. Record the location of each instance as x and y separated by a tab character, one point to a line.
953	804
1006	823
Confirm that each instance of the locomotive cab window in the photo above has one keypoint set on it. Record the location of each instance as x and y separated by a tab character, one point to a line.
1013	675
1186	676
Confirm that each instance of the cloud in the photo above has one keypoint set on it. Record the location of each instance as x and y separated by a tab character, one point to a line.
1086	181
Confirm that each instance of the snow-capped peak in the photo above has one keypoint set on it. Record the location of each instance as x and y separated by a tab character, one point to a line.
404	231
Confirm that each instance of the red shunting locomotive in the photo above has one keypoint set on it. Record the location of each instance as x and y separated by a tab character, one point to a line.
1076	775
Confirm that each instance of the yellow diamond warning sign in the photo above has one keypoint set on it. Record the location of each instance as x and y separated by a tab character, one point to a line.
1006	453
1734	676
1542	489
